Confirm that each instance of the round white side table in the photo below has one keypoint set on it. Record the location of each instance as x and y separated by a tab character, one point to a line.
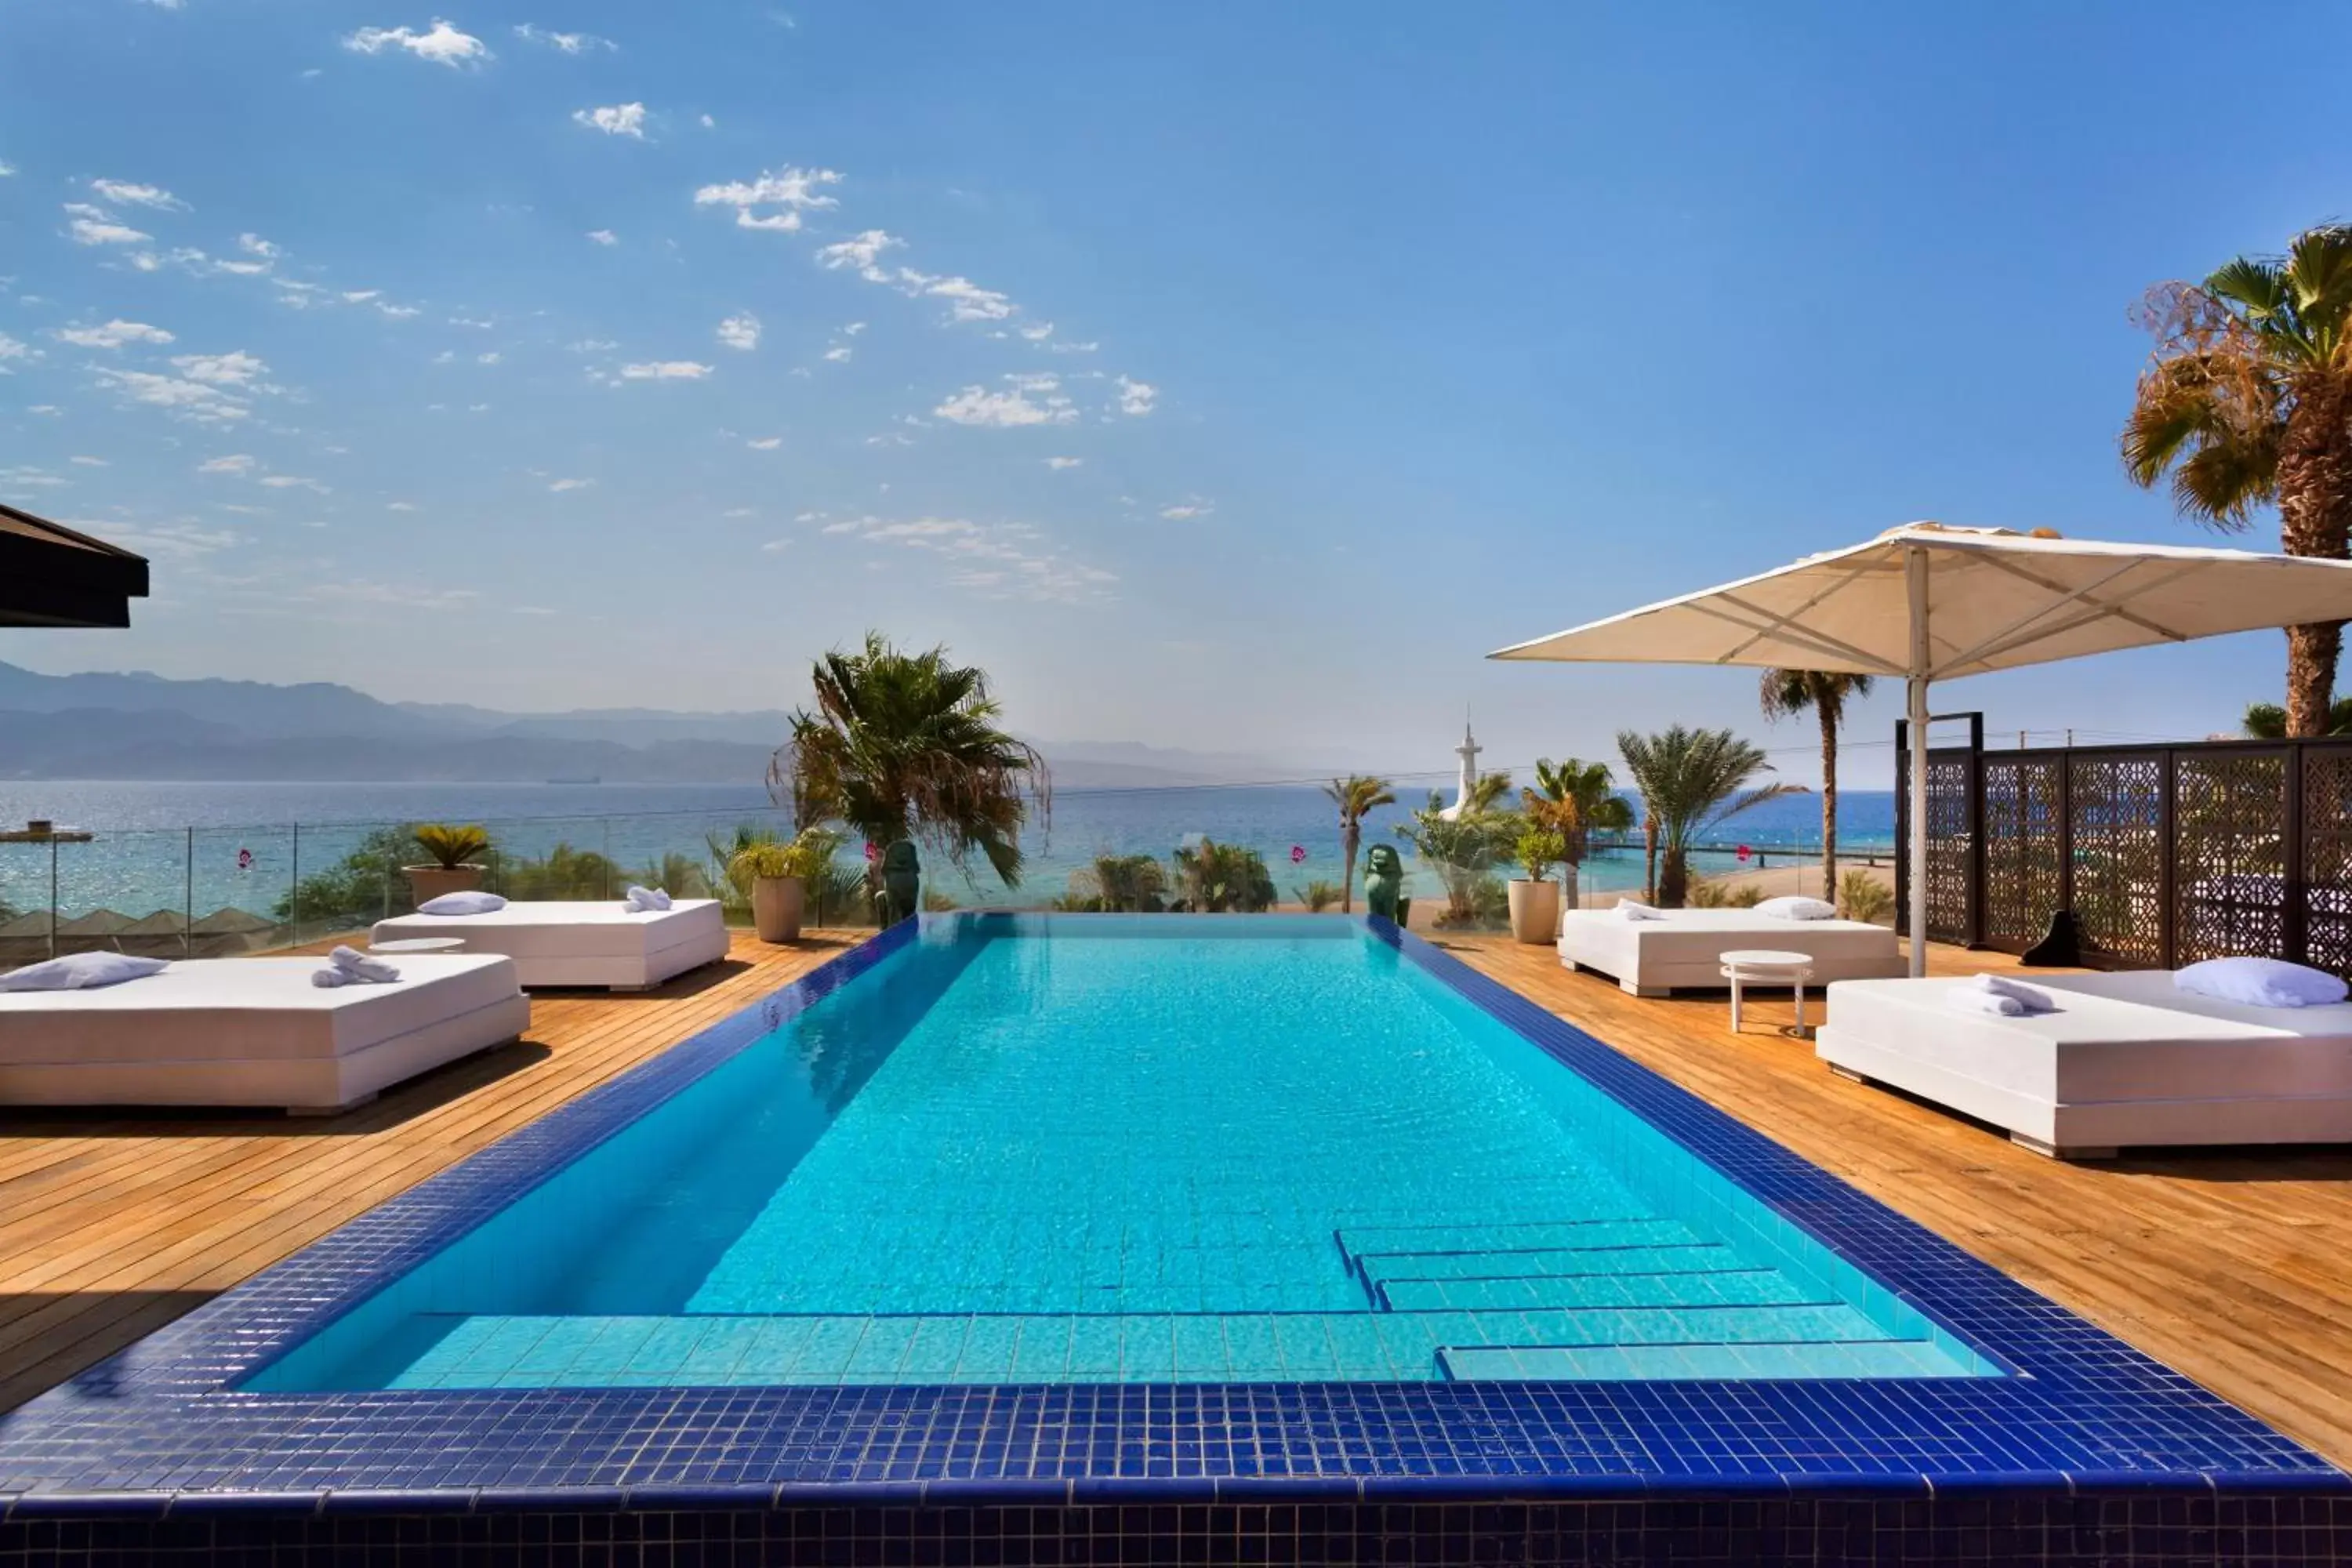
1766	966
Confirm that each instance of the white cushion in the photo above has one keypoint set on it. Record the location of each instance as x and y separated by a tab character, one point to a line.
79	971
2261	982
1789	907
472	902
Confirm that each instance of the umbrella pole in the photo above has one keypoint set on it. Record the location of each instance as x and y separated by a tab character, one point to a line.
1915	691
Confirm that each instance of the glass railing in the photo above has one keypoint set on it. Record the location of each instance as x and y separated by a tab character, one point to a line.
211	891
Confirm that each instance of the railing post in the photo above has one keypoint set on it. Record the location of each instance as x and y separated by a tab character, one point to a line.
1975	810
1902	827
2168	870
2294	872
188	910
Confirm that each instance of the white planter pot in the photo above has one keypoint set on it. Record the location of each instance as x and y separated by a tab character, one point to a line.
1535	910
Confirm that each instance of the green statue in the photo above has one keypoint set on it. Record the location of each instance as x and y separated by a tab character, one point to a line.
902	886
1385	882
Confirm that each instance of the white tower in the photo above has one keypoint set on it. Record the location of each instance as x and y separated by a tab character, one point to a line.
1468	751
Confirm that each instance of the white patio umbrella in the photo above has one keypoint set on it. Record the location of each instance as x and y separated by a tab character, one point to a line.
1926	602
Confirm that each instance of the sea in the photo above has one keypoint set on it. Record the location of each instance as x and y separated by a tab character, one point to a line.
195	848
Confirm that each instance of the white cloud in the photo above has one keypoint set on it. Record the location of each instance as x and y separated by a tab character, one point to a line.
10	347
1183	511
765	443
359	296
852	329
1136	398
92	226
291	482
1074	348
235	369
234	463
90	462
491	358
201	400
477	323
666	370
399	312
592	346
46	410
172	540
837	355
967	301
559	485
862	251
123	192
8	170
112	335
441	43
604	236
739	511
253	245
29	478
794	190
613	119
741	331
1038	332
708	123
1006	560
1010	410
566	43
1059	464
399	506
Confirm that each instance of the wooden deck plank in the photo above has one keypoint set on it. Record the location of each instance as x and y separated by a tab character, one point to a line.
2226	1265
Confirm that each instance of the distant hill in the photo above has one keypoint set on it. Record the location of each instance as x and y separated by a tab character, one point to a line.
142	726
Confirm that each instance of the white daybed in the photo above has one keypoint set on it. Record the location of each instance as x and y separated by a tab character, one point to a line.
1683	947
583	944
252	1031
2128	1058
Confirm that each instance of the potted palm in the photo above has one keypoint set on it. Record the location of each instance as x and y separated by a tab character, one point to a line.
778	876
452	849
1535	897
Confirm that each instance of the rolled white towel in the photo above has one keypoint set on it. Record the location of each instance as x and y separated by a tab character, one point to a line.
645	900
350	966
1966	998
1633	909
2032	998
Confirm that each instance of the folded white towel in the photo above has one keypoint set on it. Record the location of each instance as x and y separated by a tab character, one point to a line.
644	901
1965	998
2032	998
1628	909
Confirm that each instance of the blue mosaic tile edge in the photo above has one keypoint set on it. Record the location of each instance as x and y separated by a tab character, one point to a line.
162	1427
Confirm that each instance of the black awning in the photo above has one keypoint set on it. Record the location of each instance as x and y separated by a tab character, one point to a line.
52	576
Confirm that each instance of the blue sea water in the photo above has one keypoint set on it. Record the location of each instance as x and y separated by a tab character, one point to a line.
204	847
1117	1149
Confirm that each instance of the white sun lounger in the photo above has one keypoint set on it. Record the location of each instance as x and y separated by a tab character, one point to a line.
583	944
1684	947
252	1032
2128	1059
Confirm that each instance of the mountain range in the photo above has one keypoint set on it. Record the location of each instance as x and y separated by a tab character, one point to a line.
137	725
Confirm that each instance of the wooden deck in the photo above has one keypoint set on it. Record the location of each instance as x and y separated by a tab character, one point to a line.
2233	1267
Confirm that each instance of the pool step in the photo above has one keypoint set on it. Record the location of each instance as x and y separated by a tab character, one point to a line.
485	1352
1693	1288
1632	1229
1750	1363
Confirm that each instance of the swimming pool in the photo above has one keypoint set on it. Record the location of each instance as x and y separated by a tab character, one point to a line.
845	1268
1130	1151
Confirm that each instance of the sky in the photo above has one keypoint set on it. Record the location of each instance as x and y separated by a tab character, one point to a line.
1220	376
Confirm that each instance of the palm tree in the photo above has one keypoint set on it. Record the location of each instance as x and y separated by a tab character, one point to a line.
1575	799
906	746
1789	692
1690	780
1355	797
1484	791
2248	402
2267	721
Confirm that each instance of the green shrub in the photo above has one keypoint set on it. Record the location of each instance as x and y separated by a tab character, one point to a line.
1705	894
1317	896
1863	897
450	846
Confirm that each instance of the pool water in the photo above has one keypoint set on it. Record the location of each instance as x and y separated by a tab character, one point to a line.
1130	1149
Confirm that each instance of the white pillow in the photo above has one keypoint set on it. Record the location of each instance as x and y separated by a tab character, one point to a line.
1791	908
2261	982
79	971
473	901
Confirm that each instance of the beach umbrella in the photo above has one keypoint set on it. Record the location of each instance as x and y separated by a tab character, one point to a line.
1927	602
52	576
